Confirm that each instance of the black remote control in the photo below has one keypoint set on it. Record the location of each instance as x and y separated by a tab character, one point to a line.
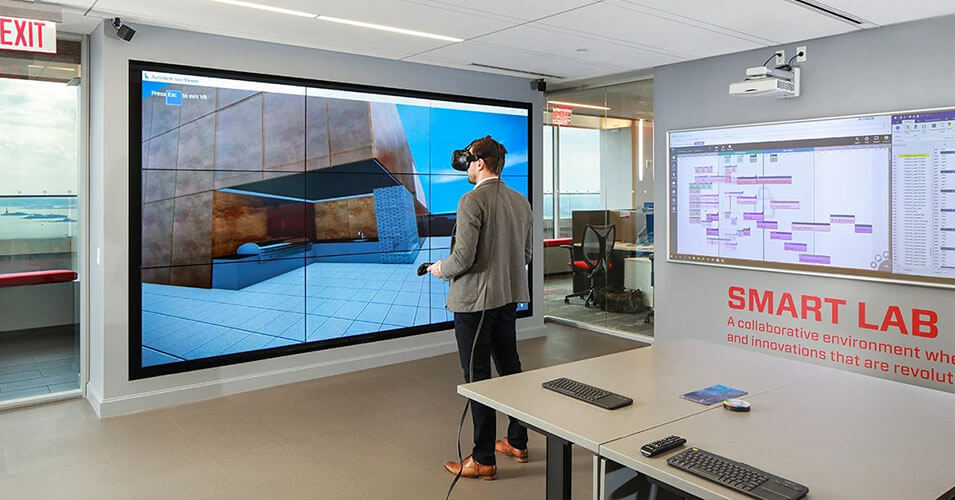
423	269
666	444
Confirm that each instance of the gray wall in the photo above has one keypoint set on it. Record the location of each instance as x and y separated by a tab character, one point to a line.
109	388
893	68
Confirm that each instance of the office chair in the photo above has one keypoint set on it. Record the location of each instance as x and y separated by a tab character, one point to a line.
595	251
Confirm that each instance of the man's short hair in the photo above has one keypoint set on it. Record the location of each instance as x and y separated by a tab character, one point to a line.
491	151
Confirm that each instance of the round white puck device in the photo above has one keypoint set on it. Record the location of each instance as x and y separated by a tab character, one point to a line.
736	405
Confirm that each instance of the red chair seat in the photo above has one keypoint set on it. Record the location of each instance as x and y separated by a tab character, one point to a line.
556	242
36	278
580	264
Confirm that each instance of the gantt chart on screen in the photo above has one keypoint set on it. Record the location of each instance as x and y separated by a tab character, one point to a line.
867	196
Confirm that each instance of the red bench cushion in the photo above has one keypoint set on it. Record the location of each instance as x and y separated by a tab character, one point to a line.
556	242
36	278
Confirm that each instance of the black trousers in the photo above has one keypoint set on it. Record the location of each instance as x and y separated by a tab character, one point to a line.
498	339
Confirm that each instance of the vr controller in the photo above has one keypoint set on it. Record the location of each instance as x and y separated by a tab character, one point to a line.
423	269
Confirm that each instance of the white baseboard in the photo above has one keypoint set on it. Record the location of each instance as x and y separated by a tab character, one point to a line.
94	399
110	407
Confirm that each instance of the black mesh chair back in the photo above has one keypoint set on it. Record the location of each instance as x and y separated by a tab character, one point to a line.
596	250
597	245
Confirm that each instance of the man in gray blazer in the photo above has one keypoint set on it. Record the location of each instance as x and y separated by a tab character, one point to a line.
490	249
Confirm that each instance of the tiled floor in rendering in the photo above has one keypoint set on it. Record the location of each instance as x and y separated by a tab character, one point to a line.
316	302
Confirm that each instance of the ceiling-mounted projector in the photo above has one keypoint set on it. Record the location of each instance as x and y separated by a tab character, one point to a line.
769	82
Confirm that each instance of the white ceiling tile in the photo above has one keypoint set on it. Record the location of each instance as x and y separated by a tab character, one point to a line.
765	21
574	47
77	23
884	12
517	58
517	9
651	32
544	37
80	4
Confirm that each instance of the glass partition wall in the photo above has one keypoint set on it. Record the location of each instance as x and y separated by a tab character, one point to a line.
40	215
598	208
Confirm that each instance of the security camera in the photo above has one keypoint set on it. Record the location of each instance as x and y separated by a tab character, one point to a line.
539	85
123	30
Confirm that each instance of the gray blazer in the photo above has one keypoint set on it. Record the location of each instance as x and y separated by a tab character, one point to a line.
492	244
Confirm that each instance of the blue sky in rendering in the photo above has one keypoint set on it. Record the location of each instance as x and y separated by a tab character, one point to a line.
434	133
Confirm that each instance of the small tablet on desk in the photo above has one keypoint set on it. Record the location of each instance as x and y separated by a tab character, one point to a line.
713	394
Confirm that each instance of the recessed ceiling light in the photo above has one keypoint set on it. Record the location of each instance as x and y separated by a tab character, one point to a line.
515	70
361	24
57	68
578	105
392	29
269	8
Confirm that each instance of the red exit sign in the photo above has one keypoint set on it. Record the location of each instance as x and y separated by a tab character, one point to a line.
560	115
27	35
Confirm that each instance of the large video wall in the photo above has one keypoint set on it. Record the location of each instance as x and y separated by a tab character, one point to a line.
270	216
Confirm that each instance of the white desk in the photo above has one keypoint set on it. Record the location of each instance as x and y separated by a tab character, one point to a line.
632	247
843	435
654	377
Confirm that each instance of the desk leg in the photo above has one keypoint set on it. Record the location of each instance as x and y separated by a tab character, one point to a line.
558	468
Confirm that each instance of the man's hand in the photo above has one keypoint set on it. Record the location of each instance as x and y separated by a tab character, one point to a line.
435	270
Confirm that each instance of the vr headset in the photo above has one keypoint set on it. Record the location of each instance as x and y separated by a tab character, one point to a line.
461	158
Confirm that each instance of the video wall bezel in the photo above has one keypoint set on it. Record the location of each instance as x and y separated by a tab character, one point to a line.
798	269
135	69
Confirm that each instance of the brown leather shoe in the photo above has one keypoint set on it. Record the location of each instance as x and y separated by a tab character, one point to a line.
472	469
506	448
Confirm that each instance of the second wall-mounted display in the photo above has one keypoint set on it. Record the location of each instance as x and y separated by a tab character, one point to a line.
868	196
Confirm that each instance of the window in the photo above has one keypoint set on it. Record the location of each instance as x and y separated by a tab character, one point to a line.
39	221
38	195
579	177
549	167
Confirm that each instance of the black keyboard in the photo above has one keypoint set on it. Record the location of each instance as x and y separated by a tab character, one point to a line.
741	477
587	393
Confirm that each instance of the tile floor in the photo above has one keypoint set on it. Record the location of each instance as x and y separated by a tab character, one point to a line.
556	287
379	433
38	362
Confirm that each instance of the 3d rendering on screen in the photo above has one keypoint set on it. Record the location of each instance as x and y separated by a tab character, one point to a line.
275	215
868	196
